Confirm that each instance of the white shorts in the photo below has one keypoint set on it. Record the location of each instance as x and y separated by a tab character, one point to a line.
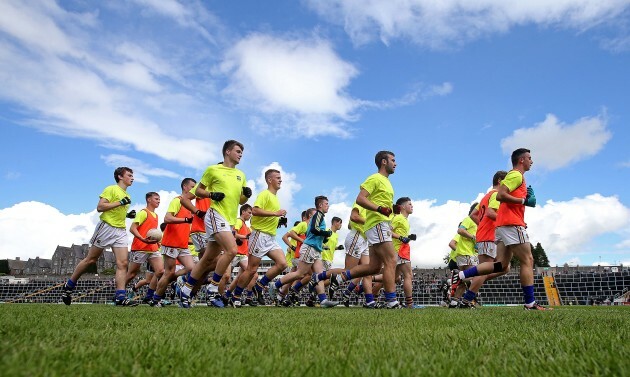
140	257
308	254
467	260
379	233
261	243
327	264
400	260
215	223
511	235
356	245
195	259
174	252
487	248
179	267
200	240
295	262
106	235
238	259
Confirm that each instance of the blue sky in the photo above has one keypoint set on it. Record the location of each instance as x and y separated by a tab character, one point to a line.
315	88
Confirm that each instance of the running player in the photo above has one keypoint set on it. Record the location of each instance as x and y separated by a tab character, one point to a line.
175	242
465	253
377	195
111	232
511	234
330	246
145	250
226	186
401	239
357	252
240	260
311	254
266	216
486	247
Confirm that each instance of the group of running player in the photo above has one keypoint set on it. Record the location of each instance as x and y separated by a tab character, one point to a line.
203	234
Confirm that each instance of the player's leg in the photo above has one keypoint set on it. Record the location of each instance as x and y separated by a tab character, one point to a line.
324	302
407	276
133	267
267	244
386	252
121	255
91	258
167	276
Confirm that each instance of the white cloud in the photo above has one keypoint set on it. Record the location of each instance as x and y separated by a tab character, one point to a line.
337	194
49	227
141	170
563	227
441	24
72	81
555	144
301	81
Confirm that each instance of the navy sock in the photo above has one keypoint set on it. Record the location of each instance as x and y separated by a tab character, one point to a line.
238	292
264	281
369	297
70	284
249	293
471	272
390	296
150	293
321	276
278	283
321	297
469	295
216	278
228	293
528	294
157	297
297	286
351	287
121	294
346	273
191	282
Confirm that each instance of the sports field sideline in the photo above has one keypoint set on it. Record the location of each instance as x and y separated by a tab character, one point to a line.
40	339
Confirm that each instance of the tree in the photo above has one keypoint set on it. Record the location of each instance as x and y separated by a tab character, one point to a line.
4	266
540	257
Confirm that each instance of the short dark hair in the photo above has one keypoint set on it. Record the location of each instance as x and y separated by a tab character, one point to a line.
185	181
121	171
500	175
150	194
303	215
380	156
310	212
336	220
296	223
319	199
472	208
399	204
517	154
244	208
270	172
228	145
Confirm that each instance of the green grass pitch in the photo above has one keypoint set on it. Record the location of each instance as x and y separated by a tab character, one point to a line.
55	340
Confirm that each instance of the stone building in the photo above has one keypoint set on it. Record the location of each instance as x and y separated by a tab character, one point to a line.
65	259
